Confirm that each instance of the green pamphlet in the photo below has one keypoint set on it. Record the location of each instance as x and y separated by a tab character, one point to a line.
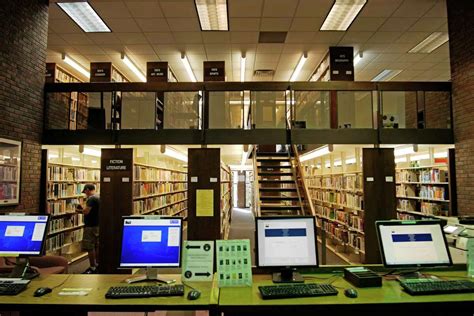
234	266
470	257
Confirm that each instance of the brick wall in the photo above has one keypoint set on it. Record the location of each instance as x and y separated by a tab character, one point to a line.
461	46
437	109
23	38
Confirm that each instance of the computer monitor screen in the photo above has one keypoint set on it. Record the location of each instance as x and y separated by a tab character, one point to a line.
286	241
22	235
151	242
413	243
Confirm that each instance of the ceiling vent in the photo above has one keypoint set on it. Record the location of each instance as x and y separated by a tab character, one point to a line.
263	73
272	37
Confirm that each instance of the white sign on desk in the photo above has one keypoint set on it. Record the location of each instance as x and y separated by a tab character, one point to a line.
198	260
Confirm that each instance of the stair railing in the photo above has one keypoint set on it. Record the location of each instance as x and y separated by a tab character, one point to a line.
256	183
300	180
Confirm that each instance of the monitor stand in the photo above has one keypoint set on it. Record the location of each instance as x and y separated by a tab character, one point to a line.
150	275
287	276
23	270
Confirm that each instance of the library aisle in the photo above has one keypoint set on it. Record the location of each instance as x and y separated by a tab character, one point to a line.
242	226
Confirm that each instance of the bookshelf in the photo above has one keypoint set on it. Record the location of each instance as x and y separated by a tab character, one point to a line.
426	187
62	185
10	166
159	190
226	200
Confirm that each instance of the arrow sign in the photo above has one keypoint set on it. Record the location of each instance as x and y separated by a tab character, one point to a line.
193	247
198	260
203	274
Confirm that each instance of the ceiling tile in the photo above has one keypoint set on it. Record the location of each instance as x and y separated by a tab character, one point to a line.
422	66
366	24
311	8
140	49
64	26
443	28
244	24
300	37
123	25
352	37
160	38
268	58
306	24
265	65
410	8
220	57
77	39
144	9
244	37
178	9
196	61
328	37
216	37
375	47
245	8
275	24
184	24
104	38
217	48
113	49
386	57
379	8
279	8
244	48
442	66
89	49
132	38
167	50
283	75
384	37
399	48
294	48
188	37
55	12
153	25
395	24
98	58
288	61
412	37
410	57
115	9
438	10
54	39
195	49
269	48
428	24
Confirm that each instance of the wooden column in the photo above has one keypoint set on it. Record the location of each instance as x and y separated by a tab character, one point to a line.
241	190
204	173
115	202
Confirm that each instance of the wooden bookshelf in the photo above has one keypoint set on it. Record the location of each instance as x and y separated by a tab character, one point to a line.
226	200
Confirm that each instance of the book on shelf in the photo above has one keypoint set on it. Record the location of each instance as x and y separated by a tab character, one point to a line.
59	224
56	242
141	189
8	191
8	173
63	173
141	173
145	205
65	206
66	190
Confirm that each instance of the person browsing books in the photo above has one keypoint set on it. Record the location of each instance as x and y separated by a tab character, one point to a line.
90	240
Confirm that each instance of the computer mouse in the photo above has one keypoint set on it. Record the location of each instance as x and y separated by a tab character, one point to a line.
352	293
42	291
194	295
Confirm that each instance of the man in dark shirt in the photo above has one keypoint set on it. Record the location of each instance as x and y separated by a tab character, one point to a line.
90	240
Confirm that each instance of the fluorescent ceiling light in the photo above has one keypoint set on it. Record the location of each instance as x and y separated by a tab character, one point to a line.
84	15
92	152
401	151
242	68
129	63
75	159
74	64
350	161
386	75
441	155
189	70
212	14
432	42
50	156
173	153
321	151
94	161
240	167
328	165
337	163
400	159
357	58
420	157
298	68
342	13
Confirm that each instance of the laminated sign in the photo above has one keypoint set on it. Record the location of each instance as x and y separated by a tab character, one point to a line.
198	260
234	266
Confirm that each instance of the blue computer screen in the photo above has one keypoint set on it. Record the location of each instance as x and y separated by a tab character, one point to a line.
151	243
22	234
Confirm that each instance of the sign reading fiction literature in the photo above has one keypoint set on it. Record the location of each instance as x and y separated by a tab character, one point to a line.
157	71
341	63
101	72
117	164
214	71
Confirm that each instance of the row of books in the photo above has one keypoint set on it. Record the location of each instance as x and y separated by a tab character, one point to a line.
343	199
225	176
60	173
58	207
344	236
66	222
144	189
8	191
11	160
433	192
337	182
172	210
405	217
8	173
437	209
428	176
58	241
356	241
145	205
61	190
141	173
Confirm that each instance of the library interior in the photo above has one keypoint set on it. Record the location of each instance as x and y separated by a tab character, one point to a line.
236	157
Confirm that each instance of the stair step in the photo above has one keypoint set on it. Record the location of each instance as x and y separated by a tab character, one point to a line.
279	207
266	153
278	189
276	174
279	198
279	159
273	167
276	181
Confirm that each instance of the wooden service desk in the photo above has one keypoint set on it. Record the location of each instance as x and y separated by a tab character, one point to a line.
96	301
387	300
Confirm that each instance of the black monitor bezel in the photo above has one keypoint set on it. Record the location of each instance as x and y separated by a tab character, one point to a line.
257	257
152	266
43	241
411	222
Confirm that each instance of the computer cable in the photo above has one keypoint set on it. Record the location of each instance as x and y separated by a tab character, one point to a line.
62	283
186	284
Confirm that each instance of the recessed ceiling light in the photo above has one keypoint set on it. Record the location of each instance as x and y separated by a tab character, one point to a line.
298	68
131	65
429	44
84	15
212	15
342	13
386	75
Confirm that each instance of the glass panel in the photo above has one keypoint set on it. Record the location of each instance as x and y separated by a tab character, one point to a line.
399	109
226	109
57	110
98	117
437	108
139	110
268	109
354	109
182	110
10	165
313	107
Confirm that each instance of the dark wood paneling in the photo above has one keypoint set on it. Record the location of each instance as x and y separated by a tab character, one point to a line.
416	136
115	202
204	163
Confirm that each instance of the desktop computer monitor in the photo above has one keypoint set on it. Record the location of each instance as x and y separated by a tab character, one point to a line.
405	244
22	236
151	242
286	243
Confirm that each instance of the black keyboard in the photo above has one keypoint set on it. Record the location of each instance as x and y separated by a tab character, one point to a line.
145	291
296	290
430	286
12	288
